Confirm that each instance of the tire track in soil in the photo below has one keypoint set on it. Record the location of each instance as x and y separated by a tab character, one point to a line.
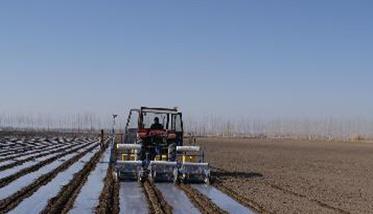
109	198
158	204
5	181
8	166
257	207
12	201
203	203
64	200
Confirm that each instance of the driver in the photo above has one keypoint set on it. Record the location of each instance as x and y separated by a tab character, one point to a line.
156	124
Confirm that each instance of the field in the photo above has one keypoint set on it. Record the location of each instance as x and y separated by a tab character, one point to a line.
49	171
294	176
66	174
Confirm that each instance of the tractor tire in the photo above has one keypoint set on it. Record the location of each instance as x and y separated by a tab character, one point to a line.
176	176
172	152
207	180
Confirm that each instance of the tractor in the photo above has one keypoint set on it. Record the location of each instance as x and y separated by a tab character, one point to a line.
153	148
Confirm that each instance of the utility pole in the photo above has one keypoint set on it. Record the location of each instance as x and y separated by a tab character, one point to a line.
112	158
113	131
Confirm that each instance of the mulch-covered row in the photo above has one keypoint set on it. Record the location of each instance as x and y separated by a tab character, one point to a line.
203	203
8	166
158	204
13	200
5	181
43	148
64	200
109	198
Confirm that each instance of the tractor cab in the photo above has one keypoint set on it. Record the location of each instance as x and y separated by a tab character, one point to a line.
169	129
139	125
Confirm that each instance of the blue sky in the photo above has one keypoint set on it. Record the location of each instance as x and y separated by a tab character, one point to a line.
228	58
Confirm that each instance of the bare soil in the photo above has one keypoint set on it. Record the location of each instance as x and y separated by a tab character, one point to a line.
294	176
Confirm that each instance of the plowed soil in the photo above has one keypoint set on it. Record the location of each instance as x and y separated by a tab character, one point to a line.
294	176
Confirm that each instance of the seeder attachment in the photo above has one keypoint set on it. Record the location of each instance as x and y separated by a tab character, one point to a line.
192	167
163	171
129	167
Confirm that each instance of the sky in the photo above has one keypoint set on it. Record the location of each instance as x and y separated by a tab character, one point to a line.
230	58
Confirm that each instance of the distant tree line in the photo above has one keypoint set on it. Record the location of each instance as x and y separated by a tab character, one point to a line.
77	122
326	128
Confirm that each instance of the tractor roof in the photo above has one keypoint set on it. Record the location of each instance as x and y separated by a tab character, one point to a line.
157	109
